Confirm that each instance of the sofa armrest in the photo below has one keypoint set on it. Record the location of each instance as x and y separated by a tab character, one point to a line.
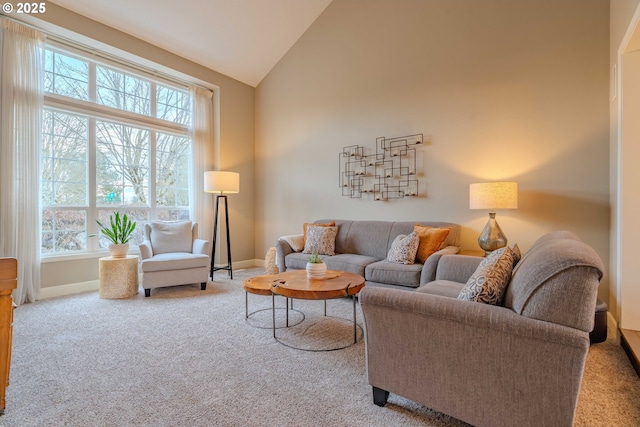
468	359
431	264
200	247
145	250
282	250
457	268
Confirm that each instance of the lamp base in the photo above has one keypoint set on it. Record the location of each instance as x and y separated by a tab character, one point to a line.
492	237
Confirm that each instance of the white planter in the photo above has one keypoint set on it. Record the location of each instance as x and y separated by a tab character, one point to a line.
119	250
316	270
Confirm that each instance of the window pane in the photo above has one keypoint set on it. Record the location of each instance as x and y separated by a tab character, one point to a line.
64	159
173	214
66	75
122	165
173	105
172	165
64	230
122	91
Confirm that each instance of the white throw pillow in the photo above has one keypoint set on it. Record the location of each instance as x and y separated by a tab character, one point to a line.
321	240
296	241
404	248
171	236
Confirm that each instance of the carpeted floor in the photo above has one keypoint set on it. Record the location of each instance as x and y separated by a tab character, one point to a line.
185	357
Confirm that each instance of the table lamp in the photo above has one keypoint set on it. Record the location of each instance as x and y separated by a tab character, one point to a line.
493	196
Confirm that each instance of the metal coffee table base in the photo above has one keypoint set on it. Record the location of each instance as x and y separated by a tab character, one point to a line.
248	315
355	325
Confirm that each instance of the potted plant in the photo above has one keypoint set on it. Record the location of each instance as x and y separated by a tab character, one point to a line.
316	268
118	233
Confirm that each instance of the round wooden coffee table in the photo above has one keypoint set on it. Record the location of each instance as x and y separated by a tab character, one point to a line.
295	284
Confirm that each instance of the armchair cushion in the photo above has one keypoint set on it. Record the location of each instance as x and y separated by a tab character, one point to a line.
174	261
171	236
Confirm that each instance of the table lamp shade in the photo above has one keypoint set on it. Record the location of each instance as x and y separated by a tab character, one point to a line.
493	195
221	182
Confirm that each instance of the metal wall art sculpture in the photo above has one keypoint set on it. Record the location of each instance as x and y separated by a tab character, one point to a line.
389	173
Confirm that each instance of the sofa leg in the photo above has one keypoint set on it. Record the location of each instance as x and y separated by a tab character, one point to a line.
380	396
147	292
203	286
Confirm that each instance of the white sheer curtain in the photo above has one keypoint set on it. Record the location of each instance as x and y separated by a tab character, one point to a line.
21	100
202	160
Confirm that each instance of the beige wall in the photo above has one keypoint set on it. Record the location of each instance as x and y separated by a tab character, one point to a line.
508	90
234	141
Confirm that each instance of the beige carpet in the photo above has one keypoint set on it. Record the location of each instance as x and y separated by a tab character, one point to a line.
186	357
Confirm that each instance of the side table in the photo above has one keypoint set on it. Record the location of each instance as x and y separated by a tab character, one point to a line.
118	277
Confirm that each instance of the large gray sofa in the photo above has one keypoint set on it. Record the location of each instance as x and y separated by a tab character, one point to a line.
362	247
520	364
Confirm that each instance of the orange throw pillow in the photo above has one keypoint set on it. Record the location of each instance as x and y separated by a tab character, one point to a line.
306	224
431	239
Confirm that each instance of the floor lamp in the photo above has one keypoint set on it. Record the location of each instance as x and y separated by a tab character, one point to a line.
221	183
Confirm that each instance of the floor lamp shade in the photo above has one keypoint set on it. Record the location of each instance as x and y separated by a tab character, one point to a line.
221	183
493	196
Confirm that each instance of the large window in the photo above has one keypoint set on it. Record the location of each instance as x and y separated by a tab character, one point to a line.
113	139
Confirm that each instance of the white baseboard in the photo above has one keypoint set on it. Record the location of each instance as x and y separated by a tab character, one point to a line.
71	288
93	285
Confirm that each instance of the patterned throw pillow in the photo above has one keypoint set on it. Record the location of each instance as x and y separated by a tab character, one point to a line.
517	255
404	248
431	239
320	239
490	280
310	224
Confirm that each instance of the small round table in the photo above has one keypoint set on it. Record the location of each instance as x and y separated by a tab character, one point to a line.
295	284
118	277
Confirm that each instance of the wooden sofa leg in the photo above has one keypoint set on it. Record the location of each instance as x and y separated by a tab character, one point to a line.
147	292
380	396
203	286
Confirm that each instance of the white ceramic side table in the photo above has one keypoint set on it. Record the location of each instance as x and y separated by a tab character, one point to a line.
118	277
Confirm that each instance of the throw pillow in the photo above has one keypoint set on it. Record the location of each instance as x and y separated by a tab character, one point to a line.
308	224
431	240
517	255
490	280
296	241
320	239
171	236
404	248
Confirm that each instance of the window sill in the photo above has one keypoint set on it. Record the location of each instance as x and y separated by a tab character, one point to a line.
45	259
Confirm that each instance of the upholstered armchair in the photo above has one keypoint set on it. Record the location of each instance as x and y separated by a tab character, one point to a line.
515	364
172	254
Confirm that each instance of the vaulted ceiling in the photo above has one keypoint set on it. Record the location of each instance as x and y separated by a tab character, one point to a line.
243	39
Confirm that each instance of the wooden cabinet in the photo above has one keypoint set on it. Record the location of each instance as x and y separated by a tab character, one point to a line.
8	282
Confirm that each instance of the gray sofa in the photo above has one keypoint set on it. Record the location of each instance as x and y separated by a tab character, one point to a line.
362	247
520	364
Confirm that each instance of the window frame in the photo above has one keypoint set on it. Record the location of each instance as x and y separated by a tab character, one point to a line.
94	112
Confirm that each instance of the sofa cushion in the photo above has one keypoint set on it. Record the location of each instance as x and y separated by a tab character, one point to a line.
489	282
404	248
394	273
174	261
320	239
445	288
431	240
171	236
